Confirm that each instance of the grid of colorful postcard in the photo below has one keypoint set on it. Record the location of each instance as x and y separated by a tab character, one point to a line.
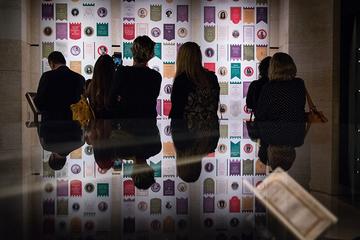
76	199
163	209
234	40
168	24
81	30
227	205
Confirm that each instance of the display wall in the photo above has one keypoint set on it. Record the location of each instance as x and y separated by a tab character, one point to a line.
81	30
234	38
168	23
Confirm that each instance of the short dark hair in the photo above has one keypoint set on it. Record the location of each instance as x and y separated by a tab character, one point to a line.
56	58
143	49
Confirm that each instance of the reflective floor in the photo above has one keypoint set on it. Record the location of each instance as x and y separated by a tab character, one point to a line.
156	179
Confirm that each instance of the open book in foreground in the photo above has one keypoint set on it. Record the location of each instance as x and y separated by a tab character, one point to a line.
300	212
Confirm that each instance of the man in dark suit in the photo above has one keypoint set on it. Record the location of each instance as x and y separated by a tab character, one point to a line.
58	89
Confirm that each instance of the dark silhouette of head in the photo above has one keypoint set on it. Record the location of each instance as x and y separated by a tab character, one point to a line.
57	160
188	167
104	157
142	175
281	156
264	67
56	58
143	49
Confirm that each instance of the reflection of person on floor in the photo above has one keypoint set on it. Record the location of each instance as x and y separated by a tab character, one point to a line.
98	135
142	141
60	138
130	139
142	175
192	144
277	155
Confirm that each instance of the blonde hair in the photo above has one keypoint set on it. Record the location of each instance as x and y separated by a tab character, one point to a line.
189	61
282	67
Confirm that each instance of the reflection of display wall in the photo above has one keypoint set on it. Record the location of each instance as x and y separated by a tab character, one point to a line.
234	40
164	207
78	197
80	30
168	24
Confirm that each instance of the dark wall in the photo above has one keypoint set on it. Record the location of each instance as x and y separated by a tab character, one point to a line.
350	10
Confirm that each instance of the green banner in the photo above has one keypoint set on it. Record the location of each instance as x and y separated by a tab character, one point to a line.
235	149
209	33
155	13
47	48
157	168
235	70
61	11
249	52
127	49
102	29
157	50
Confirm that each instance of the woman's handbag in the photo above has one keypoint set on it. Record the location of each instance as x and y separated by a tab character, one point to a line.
81	111
252	128
314	116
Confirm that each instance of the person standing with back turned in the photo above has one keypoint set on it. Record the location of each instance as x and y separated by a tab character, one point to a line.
58	89
195	93
136	88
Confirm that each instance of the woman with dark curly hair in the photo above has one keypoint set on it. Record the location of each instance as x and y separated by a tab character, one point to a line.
136	88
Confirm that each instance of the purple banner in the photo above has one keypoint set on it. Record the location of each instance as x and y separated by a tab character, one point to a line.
169	188
48	207
169	32
209	204
209	14
182	13
61	31
62	188
261	14
181	206
245	88
235	51
47	11
235	168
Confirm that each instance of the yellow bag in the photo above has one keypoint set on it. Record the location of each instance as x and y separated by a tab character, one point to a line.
81	111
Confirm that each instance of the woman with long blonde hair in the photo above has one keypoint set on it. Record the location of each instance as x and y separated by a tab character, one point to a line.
195	92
